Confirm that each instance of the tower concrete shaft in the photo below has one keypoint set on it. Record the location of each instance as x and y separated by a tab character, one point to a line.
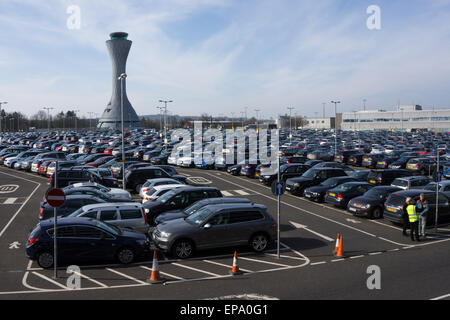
118	48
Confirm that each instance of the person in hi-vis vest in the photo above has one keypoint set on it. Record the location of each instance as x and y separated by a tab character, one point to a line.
413	217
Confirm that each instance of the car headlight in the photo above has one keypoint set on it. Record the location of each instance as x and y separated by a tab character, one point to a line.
267	177
296	185
164	236
367	206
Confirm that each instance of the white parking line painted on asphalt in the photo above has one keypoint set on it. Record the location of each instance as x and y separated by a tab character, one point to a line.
196	269
245	296
242	192
10	201
442	297
90	279
338	260
18	211
50	280
126	276
374	253
224	265
356	257
300	226
317	263
226	194
284	256
262	261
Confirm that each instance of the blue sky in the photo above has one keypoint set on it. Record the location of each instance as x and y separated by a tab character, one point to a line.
220	56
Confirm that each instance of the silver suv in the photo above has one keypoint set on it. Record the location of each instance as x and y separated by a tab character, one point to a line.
127	215
216	226
407	183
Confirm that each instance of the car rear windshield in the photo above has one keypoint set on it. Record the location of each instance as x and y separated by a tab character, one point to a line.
396	200
400	183
373	175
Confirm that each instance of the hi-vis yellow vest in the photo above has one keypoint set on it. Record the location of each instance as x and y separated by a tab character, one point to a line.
412	213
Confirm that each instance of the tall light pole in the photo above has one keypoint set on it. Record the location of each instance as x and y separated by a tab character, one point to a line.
122	78
335	126
364	101
290	123
160	119
165	119
257	116
48	117
75	113
1	114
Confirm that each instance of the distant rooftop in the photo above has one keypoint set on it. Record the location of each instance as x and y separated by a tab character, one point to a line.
119	35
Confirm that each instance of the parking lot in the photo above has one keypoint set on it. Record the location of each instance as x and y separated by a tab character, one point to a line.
307	267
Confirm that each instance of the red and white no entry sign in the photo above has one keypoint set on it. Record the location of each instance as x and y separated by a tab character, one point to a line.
56	197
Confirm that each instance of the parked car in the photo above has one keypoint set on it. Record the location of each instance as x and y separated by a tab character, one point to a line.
178	199
395	205
216	226
113	192
126	215
371	160
158	191
151	183
172	215
136	178
286	171
444	187
407	183
386	177
72	203
66	177
361	175
421	166
312	177
371	203
342	194
317	193
75	235
400	163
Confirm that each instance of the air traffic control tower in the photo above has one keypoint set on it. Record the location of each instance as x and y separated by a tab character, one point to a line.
118	48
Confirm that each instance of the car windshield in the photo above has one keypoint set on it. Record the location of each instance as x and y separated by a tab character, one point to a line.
200	216
193	208
310	174
344	187
76	213
431	186
400	183
165	197
329	183
375	193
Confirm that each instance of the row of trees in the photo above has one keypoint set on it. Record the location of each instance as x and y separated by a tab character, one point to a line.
17	121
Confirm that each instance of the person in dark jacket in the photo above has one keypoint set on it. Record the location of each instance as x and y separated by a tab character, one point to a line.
405	219
422	209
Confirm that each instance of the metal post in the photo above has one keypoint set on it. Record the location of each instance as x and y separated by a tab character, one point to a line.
437	190
335	127
55	218
278	211
122	78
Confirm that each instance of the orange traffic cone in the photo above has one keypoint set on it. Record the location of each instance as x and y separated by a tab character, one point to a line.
235	269
155	277
337	245
340	251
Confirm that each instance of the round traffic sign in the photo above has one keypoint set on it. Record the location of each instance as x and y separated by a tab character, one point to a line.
55	197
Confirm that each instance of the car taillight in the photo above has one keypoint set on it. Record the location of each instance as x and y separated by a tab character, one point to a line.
326	193
32	241
274	224
51	178
42	212
340	196
407	184
145	190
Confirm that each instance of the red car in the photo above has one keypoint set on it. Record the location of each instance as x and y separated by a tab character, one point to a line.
43	167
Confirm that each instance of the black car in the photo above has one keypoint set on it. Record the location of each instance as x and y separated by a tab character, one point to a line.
371	203
172	215
312	177
395	205
387	176
178	199
386	161
371	160
72	203
400	163
85	240
286	171
361	175
317	193
135	178
344	156
342	194
66	177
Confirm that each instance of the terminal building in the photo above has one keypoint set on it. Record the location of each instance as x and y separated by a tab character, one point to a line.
407	118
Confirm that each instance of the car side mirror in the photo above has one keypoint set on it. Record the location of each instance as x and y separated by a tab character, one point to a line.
207	226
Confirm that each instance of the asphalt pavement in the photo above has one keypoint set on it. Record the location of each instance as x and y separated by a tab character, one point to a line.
306	268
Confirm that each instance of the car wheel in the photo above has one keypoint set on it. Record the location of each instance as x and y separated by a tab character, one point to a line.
138	188
45	259
125	256
183	249
259	242
377	213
